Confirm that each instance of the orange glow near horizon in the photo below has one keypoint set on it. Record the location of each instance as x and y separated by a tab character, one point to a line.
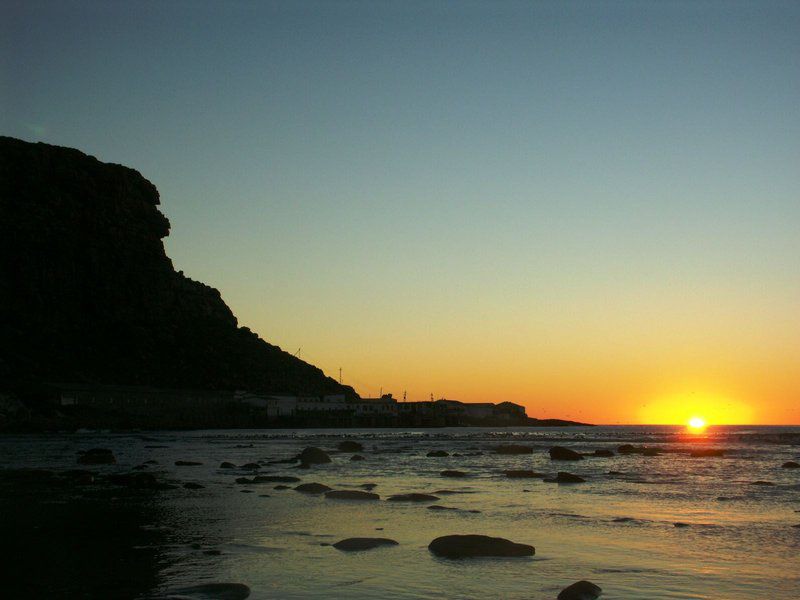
697	424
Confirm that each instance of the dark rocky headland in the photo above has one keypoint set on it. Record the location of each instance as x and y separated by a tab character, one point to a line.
88	297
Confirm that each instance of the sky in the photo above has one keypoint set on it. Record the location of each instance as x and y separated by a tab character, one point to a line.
589	208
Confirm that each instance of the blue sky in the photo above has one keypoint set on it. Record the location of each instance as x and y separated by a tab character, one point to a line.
464	199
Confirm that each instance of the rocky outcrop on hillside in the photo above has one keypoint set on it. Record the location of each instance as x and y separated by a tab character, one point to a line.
88	294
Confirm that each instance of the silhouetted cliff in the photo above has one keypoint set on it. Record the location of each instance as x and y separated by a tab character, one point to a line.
87	293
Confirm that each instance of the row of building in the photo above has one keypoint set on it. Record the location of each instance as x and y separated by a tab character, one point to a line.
207	408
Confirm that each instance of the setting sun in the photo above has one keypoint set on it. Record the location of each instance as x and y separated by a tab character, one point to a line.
697	424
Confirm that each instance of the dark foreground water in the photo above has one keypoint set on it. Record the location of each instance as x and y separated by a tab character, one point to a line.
64	536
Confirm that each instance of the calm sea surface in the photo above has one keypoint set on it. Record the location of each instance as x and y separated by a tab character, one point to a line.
739	543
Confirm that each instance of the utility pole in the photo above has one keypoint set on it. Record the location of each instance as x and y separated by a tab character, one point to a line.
340	375
404	395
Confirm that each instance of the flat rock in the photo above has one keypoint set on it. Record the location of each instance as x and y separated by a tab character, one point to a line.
412	498
581	590
762	483
448	473
440	507
564	477
356	544
561	453
522	474
351	495
313	488
466	546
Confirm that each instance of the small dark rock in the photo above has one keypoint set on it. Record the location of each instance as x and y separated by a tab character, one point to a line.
561	453
281	487
313	488
251	466
437	454
453	474
790	465
275	479
440	507
355	544
465	546
350	446
368	486
351	495
314	456
356	457
564	477
582	590
190	485
412	498
522	474
187	463
680	525
762	483
227	465
604	453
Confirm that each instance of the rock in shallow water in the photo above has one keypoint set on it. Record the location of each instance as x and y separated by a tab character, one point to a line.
513	449
790	465
313	488
355	544
581	590
350	446
564	477
467	546
561	453
604	453
351	495
412	498
187	463
356	457
437	454
449	473
314	456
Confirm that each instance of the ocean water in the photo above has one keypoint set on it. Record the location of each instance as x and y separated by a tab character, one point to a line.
616	530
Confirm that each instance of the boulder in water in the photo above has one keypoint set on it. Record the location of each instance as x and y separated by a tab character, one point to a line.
466	546
356	544
561	453
582	590
314	456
